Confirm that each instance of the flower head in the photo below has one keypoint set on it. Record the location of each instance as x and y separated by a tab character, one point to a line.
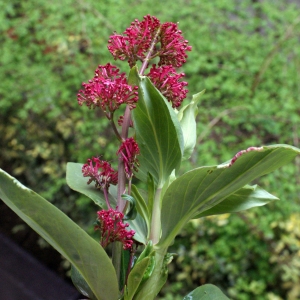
149	38
108	90
110	223
101	172
173	46
128	151
135	42
167	82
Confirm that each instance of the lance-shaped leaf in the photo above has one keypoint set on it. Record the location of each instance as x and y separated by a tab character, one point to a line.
87	256
203	188
81	284
158	133
187	117
206	292
243	199
78	183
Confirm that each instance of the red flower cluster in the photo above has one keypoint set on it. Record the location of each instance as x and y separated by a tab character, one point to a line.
129	150
173	46
135	44
161	40
167	82
110	223
101	172
108	90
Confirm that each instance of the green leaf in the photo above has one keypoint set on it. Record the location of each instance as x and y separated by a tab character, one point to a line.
78	183
131	214
125	261
158	133
81	284
187	117
135	277
141	204
140	227
206	292
87	256
203	188
243	199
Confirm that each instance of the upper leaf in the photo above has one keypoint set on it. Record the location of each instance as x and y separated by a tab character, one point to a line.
187	117
87	256
158	133
205	187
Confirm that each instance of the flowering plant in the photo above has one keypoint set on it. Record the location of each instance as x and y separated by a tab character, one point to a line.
139	222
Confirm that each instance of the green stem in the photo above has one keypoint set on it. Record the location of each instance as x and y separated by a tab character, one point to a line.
158	278
155	221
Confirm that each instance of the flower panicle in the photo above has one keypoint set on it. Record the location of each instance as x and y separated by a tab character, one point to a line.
128	152
167	82
135	43
173	46
112	229
100	172
108	90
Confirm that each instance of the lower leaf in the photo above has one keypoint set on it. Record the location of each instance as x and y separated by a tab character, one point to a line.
87	256
206	292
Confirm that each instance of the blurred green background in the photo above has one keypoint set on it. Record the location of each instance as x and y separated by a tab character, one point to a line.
246	54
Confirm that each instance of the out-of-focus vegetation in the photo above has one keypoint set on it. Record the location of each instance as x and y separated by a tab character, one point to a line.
246	54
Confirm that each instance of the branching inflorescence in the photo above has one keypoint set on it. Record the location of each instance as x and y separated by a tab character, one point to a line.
142	42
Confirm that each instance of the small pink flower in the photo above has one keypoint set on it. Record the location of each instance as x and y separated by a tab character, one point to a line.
129	150
101	172
110	223
167	82
135	42
173	46
108	90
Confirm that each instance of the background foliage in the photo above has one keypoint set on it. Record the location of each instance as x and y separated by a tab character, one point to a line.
245	54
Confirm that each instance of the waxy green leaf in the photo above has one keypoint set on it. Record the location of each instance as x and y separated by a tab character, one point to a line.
206	292
141	204
87	256
243	199
135	277
158	133
132	211
81	284
203	188
187	117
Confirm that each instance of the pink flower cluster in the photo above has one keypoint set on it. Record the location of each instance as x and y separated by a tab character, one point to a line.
108	90
148	39
135	42
129	150
173	46
167	82
110	223
101	172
